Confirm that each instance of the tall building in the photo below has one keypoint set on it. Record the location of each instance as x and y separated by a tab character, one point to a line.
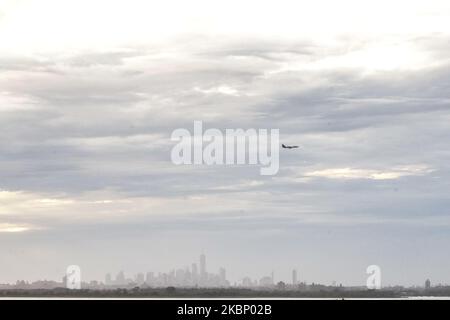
140	278
149	278
203	276
247	282
120	279
108	280
427	284
294	277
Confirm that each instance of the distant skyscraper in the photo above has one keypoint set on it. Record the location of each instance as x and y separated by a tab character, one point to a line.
149	278
203	267
427	284
294	277
120	279
108	280
247	282
140	278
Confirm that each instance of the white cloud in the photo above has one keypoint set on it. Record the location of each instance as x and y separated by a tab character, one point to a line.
354	173
10	227
223	89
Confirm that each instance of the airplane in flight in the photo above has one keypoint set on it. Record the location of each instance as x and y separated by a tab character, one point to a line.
288	147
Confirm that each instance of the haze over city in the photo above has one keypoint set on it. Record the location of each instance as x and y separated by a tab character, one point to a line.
90	92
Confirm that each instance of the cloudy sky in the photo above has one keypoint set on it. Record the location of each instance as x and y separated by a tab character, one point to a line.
90	92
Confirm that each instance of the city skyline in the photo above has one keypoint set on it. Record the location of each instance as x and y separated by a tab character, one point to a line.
189	277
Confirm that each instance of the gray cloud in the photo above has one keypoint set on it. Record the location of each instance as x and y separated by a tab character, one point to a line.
90	126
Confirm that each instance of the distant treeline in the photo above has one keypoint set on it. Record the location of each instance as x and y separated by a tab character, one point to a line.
171	292
222	293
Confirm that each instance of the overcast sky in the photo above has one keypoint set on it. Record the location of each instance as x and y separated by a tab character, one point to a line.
90	92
